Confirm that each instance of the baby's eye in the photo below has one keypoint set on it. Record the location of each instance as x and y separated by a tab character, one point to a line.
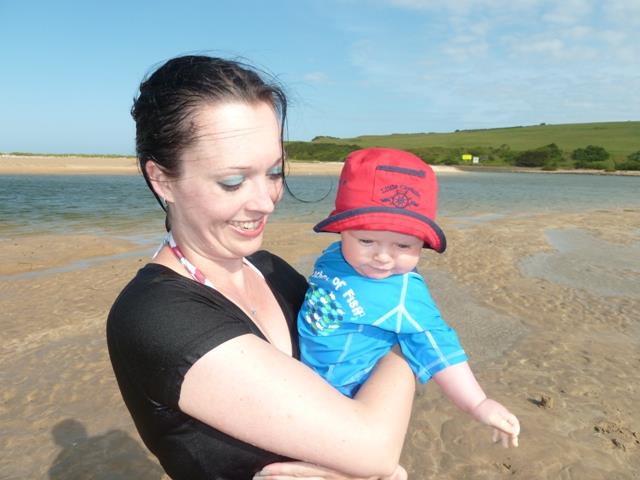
403	246
365	241
232	182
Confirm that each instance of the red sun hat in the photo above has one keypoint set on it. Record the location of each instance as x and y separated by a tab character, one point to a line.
387	189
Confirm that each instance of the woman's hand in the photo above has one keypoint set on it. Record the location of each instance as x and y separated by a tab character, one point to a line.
506	426
309	471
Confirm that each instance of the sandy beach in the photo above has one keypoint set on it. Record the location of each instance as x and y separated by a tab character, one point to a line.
70	165
66	165
559	352
74	165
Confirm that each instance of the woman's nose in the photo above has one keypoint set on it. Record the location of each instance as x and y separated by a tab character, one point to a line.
264	197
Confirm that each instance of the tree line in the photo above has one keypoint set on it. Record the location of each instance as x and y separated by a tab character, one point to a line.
547	157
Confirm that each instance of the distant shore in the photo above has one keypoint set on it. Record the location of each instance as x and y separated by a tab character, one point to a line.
63	165
81	165
73	165
576	171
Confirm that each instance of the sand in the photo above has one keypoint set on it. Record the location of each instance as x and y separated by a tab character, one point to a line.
86	165
563	356
70	165
66	165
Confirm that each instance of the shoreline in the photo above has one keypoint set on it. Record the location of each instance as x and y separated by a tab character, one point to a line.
75	165
96	165
67	165
575	171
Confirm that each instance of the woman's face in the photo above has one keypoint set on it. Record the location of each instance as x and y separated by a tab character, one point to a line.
230	180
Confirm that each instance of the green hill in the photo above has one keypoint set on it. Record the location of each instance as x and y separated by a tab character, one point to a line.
619	138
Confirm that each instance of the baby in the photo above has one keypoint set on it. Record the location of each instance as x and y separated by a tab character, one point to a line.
365	295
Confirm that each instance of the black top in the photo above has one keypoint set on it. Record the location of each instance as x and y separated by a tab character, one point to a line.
158	327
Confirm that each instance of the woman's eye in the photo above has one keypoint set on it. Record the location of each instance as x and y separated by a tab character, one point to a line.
275	173
231	183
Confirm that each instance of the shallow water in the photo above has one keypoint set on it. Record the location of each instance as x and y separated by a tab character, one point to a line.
122	205
582	260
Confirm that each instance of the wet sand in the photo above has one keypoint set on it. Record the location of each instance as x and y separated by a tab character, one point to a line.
560	353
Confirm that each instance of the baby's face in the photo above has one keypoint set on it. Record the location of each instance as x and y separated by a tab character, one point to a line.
379	253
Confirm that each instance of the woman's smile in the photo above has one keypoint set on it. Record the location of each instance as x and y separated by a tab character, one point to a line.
249	228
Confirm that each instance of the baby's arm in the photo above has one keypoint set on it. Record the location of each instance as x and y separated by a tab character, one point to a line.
460	385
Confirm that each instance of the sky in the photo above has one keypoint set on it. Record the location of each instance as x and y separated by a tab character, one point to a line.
69	70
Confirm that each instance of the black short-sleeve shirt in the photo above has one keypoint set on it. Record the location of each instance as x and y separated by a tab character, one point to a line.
158	327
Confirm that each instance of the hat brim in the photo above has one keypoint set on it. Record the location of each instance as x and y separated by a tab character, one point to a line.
389	219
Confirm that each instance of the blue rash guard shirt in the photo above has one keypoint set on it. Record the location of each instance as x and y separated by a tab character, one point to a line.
348	322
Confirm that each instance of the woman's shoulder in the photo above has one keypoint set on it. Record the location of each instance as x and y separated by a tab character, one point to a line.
268	262
157	294
160	315
274	267
150	283
279	274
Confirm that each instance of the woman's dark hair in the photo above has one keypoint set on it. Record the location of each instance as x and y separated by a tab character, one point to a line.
164	108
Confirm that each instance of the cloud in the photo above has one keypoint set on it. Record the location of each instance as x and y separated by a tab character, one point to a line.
487	63
316	77
546	46
457	5
579	32
569	12
466	47
464	6
622	12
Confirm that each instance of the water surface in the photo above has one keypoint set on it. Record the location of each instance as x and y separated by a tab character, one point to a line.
582	260
123	206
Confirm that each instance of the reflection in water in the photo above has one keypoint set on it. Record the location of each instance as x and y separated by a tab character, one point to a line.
113	455
584	261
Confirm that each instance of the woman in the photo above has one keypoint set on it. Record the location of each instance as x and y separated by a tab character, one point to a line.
203	340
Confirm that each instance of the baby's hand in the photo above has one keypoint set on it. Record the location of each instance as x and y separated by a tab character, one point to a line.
506	427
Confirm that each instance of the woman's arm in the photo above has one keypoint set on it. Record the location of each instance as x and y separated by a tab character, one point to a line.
248	389
302	470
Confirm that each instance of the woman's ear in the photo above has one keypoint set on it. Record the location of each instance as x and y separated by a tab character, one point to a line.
161	182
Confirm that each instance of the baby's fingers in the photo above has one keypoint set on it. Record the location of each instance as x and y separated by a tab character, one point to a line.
508	423
513	421
515	429
506	429
503	438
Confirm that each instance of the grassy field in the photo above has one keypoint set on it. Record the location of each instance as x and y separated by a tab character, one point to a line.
618	138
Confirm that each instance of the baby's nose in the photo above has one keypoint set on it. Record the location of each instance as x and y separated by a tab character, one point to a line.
382	256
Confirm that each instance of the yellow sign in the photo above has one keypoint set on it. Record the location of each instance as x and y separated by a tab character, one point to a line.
467	156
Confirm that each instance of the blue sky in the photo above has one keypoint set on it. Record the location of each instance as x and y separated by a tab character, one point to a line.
69	70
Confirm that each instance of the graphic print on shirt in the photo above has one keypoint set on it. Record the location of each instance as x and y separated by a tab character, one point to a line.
324	312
